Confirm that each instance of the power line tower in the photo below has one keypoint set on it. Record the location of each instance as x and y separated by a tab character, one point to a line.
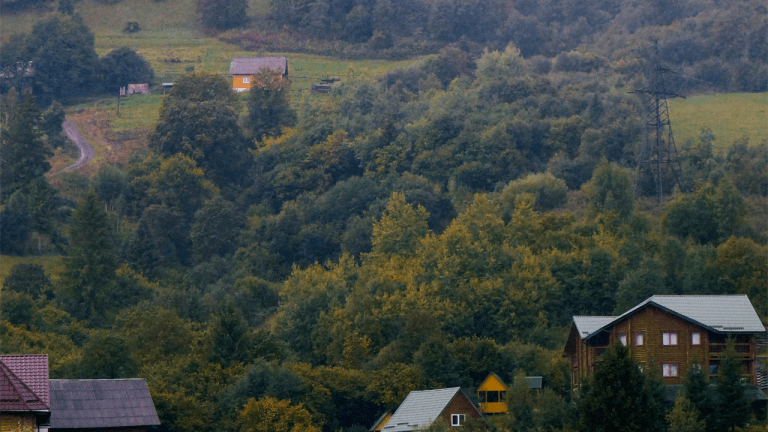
658	156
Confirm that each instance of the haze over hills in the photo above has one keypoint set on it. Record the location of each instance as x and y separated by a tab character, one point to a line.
291	259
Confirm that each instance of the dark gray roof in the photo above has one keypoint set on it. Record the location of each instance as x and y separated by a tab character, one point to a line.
717	313
420	409
77	404
251	65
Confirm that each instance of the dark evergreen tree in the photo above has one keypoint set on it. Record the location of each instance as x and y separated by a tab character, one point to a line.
230	338
23	153
27	278
614	398
91	262
124	66
733	408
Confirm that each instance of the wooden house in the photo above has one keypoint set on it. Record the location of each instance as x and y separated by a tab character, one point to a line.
243	69
492	392
672	331
24	397
421	409
93	405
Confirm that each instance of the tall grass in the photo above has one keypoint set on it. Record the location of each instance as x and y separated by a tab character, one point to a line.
729	116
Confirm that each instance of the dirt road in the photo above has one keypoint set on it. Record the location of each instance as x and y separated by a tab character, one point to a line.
86	151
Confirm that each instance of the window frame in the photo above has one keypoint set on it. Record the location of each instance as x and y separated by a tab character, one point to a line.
694	336
246	80
669	336
457	419
670	370
623	338
639	336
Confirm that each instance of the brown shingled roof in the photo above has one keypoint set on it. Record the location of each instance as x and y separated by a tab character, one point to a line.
32	369
15	395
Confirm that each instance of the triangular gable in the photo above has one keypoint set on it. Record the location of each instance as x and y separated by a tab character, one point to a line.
492	383
420	409
716	313
32	370
15	395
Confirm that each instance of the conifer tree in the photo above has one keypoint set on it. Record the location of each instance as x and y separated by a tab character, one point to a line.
23	153
733	406
685	417
91	262
695	389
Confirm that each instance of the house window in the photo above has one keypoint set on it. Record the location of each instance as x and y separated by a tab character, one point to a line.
695	338
457	419
639	339
493	396
246	80
669	370
669	338
623	339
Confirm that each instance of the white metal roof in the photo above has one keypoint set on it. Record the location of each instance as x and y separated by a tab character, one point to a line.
718	313
251	65
586	325
420	409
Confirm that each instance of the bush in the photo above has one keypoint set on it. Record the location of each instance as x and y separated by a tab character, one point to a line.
550	191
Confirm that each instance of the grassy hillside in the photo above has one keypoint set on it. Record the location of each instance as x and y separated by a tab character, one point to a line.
52	264
729	116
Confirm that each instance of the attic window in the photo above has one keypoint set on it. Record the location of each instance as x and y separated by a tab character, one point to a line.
457	419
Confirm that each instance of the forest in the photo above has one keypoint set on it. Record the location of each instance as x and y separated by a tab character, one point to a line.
301	264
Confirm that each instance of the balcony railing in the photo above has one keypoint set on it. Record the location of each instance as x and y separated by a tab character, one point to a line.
719	348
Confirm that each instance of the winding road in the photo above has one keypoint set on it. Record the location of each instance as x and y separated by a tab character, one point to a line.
86	151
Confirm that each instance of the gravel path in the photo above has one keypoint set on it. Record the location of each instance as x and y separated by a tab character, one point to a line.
86	151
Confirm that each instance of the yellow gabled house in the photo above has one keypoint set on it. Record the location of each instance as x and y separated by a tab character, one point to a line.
492	393
243	69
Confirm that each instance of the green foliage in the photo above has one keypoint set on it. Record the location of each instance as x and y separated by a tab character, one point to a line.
269	104
400	229
222	14
199	120
23	154
684	417
733	407
91	262
709	215
124	66
215	228
610	190
107	356
550	191
28	278
230	337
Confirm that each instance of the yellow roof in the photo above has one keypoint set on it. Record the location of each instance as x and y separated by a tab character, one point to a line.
492	383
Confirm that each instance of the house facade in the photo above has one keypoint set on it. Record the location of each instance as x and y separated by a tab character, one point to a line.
421	409
243	69
672	331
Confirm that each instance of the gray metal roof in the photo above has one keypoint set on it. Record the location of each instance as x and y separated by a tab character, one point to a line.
251	65
78	404
586	325
420	409
533	382
718	313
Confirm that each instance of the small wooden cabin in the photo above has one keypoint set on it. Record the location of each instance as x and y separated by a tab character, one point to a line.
492	393
243	69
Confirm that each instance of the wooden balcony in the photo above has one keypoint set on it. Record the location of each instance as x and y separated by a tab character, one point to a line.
718	349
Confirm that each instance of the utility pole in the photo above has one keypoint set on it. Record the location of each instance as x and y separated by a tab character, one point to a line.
658	157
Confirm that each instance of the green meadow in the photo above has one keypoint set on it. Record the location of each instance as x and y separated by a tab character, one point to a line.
729	116
52	264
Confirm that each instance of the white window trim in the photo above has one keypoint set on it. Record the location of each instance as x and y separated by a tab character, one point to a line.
246	80
639	339
457	419
623	338
669	370
696	338
669	339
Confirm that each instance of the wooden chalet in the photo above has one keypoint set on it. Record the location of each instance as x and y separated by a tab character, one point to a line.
24	397
421	409
672	331
243	69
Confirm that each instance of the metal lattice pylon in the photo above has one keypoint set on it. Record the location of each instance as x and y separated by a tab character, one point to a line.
658	156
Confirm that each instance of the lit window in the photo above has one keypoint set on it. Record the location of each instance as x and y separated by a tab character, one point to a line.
623	339
639	339
457	419
246	80
696	338
669	370
669	338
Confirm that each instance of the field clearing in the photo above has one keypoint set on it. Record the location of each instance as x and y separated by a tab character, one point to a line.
729	116
52	264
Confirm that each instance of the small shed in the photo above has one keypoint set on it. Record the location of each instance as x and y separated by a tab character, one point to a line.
421	409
